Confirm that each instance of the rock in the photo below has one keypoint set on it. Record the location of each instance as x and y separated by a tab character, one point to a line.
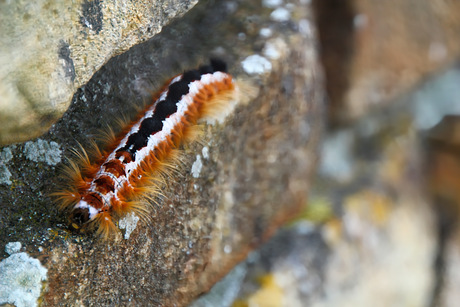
254	172
375	51
21	280
49	49
373	233
443	177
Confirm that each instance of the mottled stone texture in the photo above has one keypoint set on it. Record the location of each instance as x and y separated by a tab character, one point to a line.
382	219
444	184
374	51
369	230
48	49
255	173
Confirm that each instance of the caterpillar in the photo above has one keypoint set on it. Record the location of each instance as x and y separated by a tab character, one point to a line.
124	175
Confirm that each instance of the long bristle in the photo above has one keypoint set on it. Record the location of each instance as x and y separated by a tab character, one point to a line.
72	180
65	198
106	228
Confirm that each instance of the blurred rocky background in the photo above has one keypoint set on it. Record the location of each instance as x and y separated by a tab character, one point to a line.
381	224
338	186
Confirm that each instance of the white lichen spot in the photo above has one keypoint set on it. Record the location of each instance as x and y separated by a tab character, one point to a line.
42	151
129	223
87	23
360	21
280	14
272	3
21	280
290	6
5	156
227	249
336	156
106	88
205	152
272	158
305	27
5	175
275	49
13	247
271	52
231	7
196	167
265	32
256	64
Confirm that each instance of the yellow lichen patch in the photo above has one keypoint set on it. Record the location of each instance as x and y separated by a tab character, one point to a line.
332	231
369	205
240	303
270	294
317	211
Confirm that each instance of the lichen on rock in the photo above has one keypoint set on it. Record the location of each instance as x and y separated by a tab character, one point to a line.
21	278
48	49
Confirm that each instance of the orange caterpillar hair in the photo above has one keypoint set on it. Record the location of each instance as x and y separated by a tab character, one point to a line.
130	170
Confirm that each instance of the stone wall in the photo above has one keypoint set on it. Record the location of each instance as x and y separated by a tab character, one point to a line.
356	163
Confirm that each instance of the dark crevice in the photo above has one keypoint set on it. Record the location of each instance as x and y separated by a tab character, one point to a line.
334	20
446	218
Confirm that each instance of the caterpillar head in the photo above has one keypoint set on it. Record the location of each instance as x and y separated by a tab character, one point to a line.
78	218
90	215
81	216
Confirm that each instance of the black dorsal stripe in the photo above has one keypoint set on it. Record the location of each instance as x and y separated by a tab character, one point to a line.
206	69
136	141
191	75
177	90
165	108
218	65
168	106
150	126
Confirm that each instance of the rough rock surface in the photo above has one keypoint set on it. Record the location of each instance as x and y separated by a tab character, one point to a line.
444	184
254	175
48	49
382	219
374	51
368	230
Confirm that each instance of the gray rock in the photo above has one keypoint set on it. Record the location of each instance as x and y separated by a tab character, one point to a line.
254	172
48	49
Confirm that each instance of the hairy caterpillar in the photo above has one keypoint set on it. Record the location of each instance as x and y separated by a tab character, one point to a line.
123	175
